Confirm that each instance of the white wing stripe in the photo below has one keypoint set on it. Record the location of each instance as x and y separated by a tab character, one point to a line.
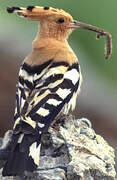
63	93
34	152
72	75
43	112
53	102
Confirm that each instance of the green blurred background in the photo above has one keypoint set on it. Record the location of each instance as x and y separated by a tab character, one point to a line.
98	98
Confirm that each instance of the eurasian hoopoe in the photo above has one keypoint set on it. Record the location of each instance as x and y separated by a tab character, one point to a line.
49	82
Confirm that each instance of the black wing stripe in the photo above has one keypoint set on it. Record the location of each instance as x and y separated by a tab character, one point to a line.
16	116
74	66
17	103
22	93
50	79
35	69
24	109
37	118
62	63
22	81
50	107
66	84
49	96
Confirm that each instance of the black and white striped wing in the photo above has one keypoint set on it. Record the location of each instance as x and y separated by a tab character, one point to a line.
55	90
43	92
23	89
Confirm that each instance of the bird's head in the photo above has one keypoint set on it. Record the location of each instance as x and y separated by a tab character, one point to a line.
54	22
58	24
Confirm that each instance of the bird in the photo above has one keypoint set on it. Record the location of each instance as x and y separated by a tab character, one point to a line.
48	83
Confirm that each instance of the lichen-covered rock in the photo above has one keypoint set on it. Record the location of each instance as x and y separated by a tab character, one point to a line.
70	151
89	152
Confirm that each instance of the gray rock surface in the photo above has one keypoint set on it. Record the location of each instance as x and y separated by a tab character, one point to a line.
71	150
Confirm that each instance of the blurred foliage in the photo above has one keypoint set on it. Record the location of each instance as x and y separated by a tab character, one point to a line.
101	13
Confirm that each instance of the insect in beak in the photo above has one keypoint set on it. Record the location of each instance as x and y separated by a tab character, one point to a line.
100	32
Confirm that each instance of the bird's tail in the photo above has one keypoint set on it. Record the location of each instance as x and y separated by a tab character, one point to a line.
24	155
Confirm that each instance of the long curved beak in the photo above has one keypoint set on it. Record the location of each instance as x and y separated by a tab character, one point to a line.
100	32
81	25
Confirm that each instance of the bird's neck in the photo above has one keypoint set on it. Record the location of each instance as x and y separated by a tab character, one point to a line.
46	48
46	37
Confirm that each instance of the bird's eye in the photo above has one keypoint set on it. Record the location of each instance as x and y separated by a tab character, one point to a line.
46	8
61	20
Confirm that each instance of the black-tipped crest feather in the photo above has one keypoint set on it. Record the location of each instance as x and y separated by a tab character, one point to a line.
12	9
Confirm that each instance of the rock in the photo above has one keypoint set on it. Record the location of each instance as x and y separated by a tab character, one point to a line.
70	151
